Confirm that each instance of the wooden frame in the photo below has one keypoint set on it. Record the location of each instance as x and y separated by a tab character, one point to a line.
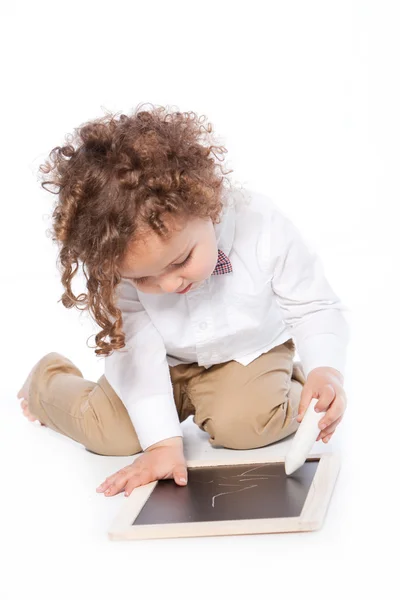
310	519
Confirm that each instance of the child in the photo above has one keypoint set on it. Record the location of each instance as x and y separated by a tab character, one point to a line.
198	287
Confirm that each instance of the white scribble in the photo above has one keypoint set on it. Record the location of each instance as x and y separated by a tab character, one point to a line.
250	471
254	475
253	478
233	492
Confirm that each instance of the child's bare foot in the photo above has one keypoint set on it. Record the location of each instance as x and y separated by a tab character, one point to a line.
24	394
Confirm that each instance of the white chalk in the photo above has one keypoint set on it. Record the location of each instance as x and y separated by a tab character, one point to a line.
304	439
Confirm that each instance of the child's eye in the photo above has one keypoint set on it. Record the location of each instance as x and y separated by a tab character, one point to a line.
142	280
185	262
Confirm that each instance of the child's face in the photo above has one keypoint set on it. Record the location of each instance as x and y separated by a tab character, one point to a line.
187	258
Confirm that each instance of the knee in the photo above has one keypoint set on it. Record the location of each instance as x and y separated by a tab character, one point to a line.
116	438
229	432
54	363
250	429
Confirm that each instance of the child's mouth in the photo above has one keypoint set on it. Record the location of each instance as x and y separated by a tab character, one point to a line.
186	289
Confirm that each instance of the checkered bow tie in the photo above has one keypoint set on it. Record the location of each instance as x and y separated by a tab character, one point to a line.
223	265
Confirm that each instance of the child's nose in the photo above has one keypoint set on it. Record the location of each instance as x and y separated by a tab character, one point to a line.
171	283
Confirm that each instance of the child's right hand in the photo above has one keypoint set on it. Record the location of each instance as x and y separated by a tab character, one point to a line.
164	460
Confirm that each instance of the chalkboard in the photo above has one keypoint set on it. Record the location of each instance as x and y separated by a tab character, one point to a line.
229	492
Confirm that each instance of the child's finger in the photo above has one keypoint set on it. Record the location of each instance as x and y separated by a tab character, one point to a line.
120	481
305	399
180	474
107	482
326	398
334	412
132	483
103	487
116	487
329	430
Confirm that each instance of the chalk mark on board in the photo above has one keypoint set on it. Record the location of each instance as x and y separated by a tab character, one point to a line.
250	471
233	492
212	481
255	474
259	477
253	478
249	475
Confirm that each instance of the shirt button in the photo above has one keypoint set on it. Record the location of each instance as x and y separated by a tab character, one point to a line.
203	325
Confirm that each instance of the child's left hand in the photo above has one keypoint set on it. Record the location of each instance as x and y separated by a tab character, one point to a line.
326	384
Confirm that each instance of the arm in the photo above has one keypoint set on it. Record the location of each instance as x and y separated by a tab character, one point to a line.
139	373
308	304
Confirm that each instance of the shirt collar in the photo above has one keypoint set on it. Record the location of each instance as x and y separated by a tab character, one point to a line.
225	229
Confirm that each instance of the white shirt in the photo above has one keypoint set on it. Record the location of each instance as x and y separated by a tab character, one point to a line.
276	291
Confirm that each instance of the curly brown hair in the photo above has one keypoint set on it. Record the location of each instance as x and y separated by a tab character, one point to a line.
114	177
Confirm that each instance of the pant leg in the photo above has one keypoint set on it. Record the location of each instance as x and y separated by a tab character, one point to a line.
88	412
249	406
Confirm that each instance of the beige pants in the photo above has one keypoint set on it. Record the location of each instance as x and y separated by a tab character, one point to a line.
238	406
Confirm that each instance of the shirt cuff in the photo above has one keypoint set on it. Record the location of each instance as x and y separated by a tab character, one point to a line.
154	419
322	350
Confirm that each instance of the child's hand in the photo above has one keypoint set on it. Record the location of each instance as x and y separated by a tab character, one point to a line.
326	384
164	460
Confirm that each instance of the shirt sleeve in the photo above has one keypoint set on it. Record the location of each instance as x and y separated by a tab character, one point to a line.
139	372
309	307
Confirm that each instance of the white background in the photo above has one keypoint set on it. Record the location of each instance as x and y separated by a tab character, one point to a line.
305	97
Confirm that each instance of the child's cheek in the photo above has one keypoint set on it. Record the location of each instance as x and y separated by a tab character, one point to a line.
203	267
